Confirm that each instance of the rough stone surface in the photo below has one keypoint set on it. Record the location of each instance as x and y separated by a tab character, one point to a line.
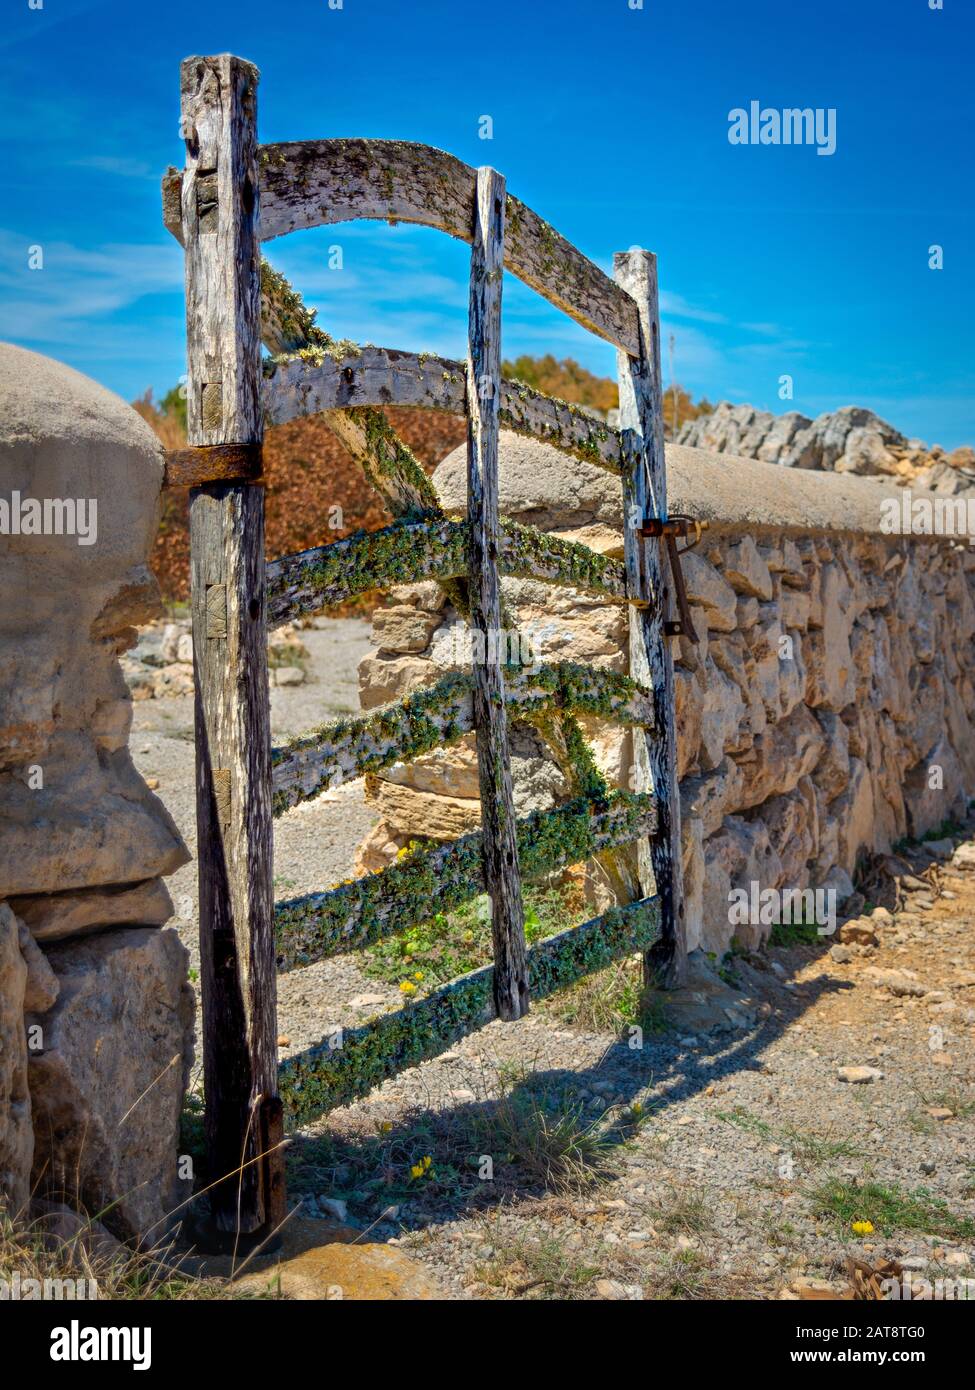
74	812
825	713
850	440
16	1133
59	915
107	1086
83	841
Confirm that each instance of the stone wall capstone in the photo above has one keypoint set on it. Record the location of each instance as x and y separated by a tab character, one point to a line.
84	844
826	711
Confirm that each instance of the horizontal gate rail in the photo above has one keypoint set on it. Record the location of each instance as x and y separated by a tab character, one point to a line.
439	715
349	1064
314	183
336	378
357	914
232	195
409	551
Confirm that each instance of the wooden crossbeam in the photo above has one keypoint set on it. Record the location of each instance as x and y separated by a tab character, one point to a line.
410	551
353	915
335	378
437	716
347	1065
312	183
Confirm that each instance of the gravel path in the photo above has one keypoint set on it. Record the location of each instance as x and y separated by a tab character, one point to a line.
709	1190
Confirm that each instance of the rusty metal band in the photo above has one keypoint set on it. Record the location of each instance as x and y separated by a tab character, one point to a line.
213	463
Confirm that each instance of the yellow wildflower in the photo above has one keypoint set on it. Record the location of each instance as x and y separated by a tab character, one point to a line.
407	987
862	1228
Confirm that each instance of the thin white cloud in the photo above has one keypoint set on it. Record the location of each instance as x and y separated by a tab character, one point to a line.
121	165
77	288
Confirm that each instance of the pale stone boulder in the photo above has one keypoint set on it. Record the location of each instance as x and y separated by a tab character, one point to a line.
107	1085
538	486
74	813
59	915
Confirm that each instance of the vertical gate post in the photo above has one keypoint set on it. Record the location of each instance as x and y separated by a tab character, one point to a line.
232	711
649	583
501	869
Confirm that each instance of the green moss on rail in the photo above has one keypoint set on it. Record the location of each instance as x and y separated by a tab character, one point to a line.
438	715
346	1066
424	881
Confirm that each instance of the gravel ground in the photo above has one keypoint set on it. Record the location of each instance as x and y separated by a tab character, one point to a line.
708	1190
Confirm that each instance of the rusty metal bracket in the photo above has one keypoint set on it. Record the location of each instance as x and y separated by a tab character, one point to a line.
669	529
675	525
213	463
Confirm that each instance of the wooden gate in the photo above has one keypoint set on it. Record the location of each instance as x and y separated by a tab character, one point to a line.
232	196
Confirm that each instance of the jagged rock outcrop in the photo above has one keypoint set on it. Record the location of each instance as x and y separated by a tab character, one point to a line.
850	440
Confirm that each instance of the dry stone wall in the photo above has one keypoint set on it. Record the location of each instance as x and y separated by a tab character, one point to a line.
826	711
96	1015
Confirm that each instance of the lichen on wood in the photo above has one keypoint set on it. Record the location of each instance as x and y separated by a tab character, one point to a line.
343	1067
322	377
438	715
435	548
426	881
312	183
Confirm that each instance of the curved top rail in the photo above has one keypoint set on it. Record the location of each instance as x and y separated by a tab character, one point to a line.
311	183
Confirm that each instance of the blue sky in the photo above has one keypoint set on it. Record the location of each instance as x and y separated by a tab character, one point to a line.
611	122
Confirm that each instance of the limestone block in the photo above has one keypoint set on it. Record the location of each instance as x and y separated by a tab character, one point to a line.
713	795
783	754
746	570
54	916
832	772
383	679
688	717
723	711
934	789
927	712
711	592
792	674
41	989
829	661
411	813
403	628
107	1086
853	811
794	608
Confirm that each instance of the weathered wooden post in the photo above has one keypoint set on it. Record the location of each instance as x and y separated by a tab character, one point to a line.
232	712
501	869
649	582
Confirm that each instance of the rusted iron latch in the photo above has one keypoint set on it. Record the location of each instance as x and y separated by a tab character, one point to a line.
213	463
655	527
